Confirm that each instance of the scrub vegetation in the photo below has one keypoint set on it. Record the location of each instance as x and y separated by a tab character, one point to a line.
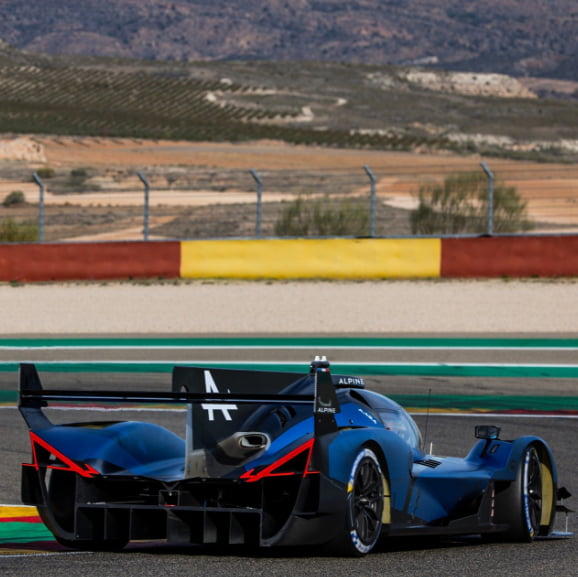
460	206
304	217
14	231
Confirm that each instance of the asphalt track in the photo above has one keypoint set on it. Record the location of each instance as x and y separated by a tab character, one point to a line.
449	435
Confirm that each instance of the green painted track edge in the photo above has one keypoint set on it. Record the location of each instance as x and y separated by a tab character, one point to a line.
353	342
18	532
361	369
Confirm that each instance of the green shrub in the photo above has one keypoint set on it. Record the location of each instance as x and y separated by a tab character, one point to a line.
14	198
12	231
46	172
460	205
78	177
322	217
79	173
79	180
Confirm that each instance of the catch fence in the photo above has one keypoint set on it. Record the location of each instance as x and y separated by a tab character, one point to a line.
434	198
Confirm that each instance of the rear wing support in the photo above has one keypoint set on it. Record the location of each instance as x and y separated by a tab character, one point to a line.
31	407
326	404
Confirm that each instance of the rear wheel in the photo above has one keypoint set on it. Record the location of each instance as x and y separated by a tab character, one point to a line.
59	516
527	506
364	507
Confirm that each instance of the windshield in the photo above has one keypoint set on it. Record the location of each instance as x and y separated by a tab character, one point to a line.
401	424
393	417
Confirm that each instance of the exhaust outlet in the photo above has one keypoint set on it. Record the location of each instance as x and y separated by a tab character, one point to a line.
242	445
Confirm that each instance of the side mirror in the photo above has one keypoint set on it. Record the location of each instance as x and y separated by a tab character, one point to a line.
488	432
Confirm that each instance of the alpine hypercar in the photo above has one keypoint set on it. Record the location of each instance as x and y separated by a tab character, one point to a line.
273	459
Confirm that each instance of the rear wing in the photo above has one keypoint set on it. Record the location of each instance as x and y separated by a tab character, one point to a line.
217	392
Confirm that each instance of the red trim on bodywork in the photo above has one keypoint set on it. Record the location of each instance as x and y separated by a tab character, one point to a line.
269	471
84	470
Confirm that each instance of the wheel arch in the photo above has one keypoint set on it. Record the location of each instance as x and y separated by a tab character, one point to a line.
518	447
510	494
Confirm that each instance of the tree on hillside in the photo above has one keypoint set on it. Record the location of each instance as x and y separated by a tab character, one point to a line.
460	206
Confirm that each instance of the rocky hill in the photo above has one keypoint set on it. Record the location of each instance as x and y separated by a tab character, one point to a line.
519	38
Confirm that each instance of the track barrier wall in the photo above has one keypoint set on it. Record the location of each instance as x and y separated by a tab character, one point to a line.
89	261
542	256
310	258
485	257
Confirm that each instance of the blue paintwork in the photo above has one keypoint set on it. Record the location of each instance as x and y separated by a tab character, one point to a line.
121	448
425	491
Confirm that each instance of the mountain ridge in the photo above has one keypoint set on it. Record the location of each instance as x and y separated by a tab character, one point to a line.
516	38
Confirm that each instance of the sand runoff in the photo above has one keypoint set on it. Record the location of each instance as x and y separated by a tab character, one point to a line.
284	308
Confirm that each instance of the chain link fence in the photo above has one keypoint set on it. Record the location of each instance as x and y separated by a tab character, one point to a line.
86	204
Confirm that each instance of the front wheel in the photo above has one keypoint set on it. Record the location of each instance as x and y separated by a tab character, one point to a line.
527	506
364	507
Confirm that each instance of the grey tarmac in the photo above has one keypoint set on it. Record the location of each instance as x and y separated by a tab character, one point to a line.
473	308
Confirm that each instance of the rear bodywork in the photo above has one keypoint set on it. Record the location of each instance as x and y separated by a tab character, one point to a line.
266	460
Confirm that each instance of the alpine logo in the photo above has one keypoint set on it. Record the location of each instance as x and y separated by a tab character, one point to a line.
326	410
325	406
211	408
351	381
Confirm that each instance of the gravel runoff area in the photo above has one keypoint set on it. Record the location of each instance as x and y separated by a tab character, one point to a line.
221	307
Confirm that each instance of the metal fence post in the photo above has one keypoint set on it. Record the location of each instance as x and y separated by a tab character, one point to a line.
259	202
40	184
146	204
490	176
372	201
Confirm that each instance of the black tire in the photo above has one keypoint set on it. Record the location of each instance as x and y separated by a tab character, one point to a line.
61	492
527	505
364	507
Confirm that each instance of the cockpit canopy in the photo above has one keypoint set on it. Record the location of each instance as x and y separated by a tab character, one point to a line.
392	416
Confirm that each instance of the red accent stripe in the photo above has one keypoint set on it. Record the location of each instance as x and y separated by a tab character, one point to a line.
83	470
269	471
31	519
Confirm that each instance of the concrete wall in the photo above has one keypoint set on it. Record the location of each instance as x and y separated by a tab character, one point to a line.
89	261
543	256
311	258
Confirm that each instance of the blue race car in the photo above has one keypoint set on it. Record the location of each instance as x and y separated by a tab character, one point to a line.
272	459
